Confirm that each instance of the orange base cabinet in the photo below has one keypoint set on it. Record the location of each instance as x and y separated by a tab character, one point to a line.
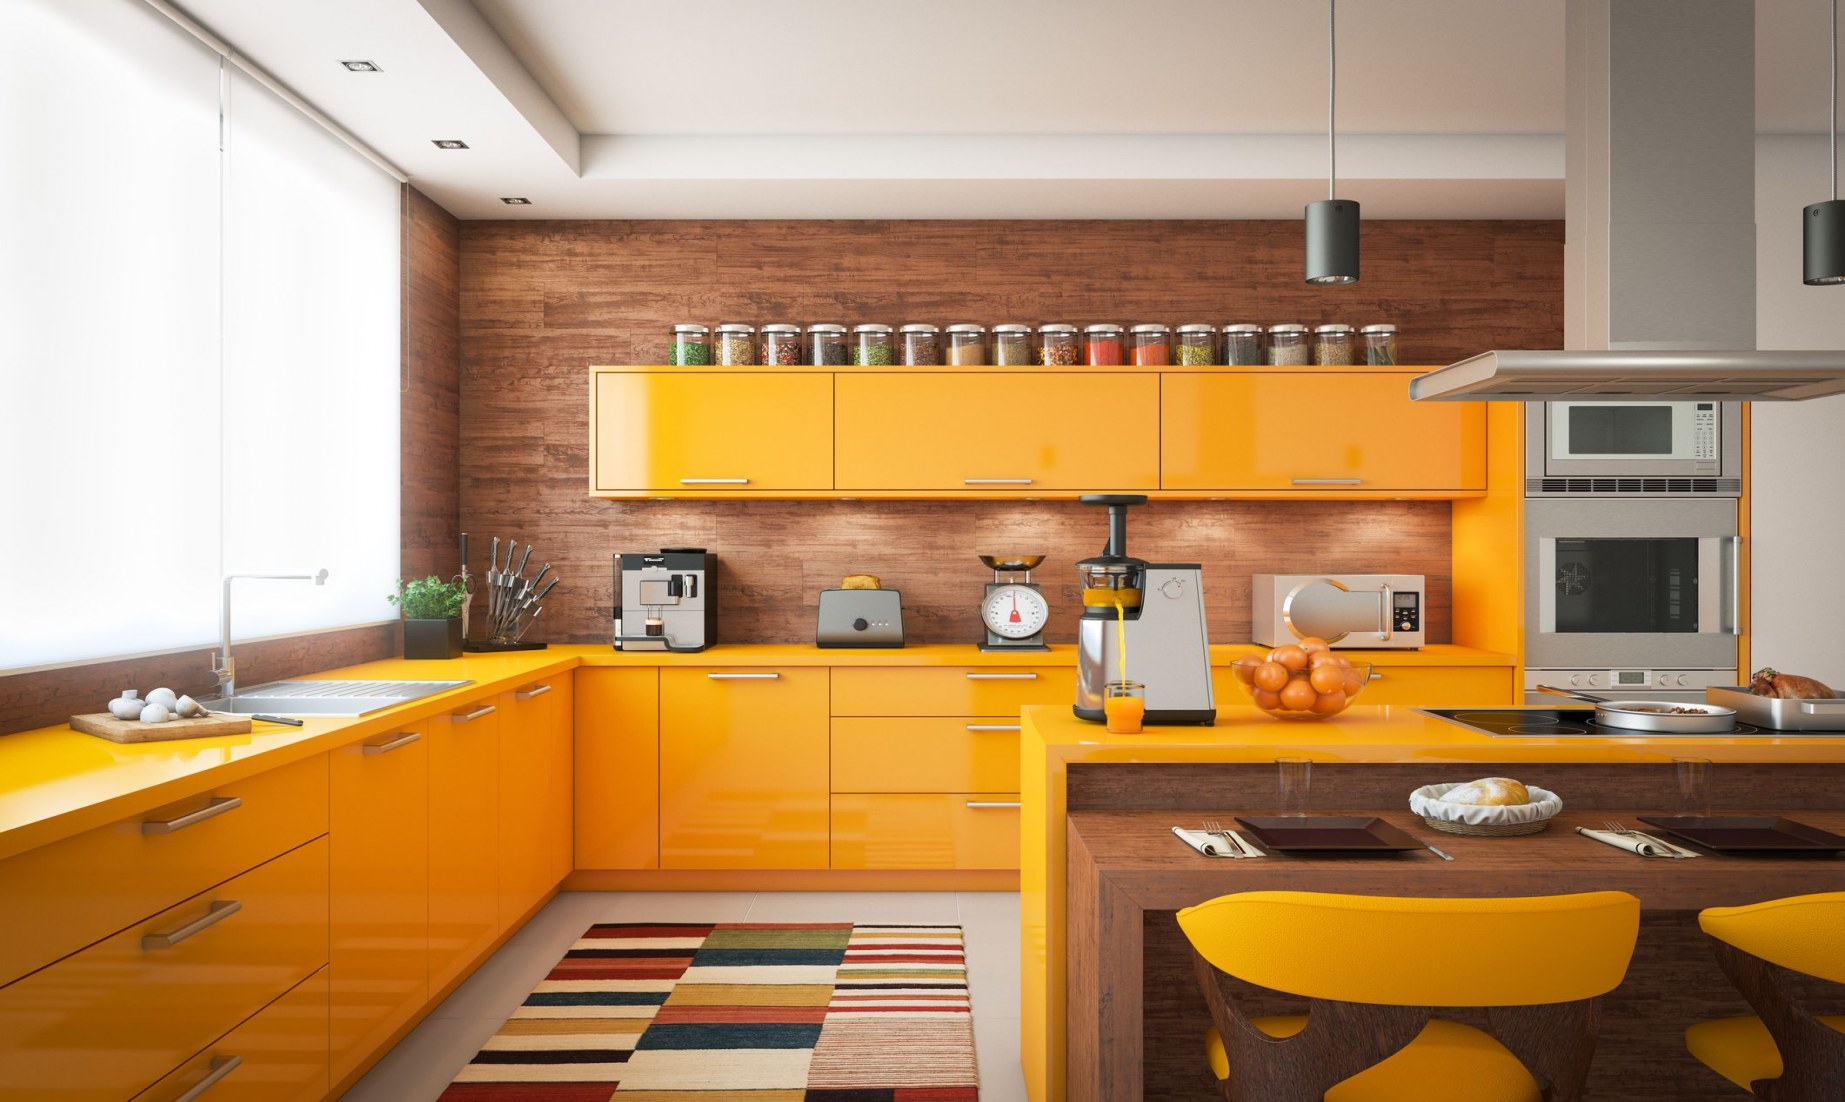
534	789
280	1055
949	690
464	825
710	431
1413	686
617	767
925	754
952	830
1316	431
743	768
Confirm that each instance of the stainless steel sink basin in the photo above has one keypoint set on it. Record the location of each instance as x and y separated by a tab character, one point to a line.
327	698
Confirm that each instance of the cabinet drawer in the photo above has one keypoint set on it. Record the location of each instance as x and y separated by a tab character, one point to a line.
280	1055
949	690
85	888
953	830
105	1023
711	431
914	754
1439	686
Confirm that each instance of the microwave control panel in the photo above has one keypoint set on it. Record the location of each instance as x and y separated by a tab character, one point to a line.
1704	431
1406	615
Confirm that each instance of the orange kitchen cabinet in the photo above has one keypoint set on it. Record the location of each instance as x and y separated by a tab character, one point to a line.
560	787
279	1055
925	754
710	431
743	768
949	690
948	830
996	433
107	1022
1316	432
1411	686
534	785
378	905
617	767
464	826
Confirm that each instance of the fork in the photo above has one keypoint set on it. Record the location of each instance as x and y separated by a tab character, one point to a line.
1615	826
1216	830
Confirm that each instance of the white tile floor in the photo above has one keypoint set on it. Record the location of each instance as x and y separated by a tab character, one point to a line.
418	1069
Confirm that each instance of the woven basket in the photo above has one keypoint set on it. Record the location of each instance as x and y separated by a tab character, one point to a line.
1485	830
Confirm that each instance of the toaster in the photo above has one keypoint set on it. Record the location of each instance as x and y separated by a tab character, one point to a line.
860	618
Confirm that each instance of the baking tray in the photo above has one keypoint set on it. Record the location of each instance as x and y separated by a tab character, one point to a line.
1748	833
1781	714
1328	833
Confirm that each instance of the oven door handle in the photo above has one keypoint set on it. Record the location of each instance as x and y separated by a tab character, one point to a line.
1731	548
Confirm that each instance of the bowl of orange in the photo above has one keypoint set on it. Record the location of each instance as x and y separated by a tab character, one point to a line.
1304	680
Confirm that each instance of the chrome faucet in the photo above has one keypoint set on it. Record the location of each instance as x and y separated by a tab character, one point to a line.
224	666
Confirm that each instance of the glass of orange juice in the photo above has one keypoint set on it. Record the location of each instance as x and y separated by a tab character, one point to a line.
1124	706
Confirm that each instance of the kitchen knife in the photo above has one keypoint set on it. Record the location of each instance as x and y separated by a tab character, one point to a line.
523	559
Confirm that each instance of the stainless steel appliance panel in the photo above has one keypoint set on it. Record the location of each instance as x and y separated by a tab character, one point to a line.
1633	448
1378	611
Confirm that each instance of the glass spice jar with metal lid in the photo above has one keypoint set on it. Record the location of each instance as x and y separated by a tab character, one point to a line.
1287	345
736	345
1242	344
919	345
1103	346
780	345
1150	345
872	347
1057	345
1332	345
826	345
964	345
1011	345
1195	346
1380	345
691	346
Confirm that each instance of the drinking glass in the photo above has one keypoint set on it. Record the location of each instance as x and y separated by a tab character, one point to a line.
1295	775
1124	707
1693	785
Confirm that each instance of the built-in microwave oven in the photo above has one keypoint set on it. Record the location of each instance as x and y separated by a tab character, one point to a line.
1633	448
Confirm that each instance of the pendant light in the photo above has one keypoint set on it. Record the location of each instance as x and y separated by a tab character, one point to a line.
1824	223
1332	223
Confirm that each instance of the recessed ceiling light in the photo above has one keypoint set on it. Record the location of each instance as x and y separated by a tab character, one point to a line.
515	200
449	143
362	66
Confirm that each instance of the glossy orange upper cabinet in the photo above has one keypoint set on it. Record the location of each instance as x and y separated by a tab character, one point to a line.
618	767
464	825
710	432
997	433
378	891
743	768
1316	432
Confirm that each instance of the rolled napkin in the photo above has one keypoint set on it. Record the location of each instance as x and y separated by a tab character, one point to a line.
1634	843
1217	845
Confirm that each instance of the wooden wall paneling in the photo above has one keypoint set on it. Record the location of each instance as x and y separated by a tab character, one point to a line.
430	415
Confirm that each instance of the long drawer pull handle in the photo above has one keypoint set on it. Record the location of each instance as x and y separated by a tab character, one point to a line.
221	1066
213	808
993	727
1377	675
536	690
744	676
1327	481
219	910
714	482
404	739
996	482
483	710
1002	677
982	804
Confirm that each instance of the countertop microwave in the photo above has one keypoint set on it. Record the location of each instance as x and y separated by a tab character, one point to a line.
1634	448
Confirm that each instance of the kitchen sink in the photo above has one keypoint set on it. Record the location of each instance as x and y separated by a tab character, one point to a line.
327	698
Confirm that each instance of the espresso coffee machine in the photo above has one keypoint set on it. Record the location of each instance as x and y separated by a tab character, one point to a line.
1162	618
665	601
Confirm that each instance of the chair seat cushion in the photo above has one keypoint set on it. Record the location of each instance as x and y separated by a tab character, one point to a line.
1740	1049
1470	1063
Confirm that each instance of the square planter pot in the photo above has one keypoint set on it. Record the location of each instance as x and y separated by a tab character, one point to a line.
432	638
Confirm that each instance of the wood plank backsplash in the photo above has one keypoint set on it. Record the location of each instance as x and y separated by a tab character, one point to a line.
542	301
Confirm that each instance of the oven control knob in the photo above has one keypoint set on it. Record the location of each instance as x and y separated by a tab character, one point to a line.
1683	679
1575	679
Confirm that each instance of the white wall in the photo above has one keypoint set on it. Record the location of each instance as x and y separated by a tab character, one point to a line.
1798	477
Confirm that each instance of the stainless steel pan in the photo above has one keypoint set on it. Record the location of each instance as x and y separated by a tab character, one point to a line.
1656	715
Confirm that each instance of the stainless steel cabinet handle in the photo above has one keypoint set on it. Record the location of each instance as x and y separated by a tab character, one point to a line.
221	1066
219	910
536	690
996	482
982	804
1326	481
714	482
483	710
1377	675
993	727
1002	677
213	808
404	739
744	676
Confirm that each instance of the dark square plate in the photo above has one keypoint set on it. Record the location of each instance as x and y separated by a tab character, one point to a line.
1328	833
1748	833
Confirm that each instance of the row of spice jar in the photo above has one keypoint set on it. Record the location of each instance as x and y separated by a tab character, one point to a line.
1051	345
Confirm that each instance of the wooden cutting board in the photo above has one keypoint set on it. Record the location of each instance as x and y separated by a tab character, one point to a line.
104	725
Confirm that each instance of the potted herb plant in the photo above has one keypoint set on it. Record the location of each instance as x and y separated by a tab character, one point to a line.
432	616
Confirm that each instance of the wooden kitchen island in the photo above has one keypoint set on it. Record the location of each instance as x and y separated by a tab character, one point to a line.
1110	1007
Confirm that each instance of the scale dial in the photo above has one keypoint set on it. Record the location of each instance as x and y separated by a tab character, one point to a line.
1015	611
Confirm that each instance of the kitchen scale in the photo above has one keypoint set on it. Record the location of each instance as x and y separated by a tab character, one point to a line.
1014	612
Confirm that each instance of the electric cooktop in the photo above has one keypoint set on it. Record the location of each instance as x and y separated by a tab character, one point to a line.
1559	722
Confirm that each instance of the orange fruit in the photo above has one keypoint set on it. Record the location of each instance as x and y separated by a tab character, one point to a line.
1313	642
1354	680
1290	656
1270	676
1298	696
1328	704
1318	658
1266	700
1327	679
1245	668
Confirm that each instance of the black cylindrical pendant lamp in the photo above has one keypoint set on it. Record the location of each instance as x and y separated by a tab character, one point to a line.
1332	241
1824	225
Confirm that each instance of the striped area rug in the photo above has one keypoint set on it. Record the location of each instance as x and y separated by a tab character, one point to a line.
739	1012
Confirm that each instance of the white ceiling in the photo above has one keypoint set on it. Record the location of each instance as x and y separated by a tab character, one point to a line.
962	108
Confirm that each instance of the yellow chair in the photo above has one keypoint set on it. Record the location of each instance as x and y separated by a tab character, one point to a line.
1375	969
1774	952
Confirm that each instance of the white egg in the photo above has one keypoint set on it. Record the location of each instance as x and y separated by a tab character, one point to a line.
126	707
155	712
163	695
188	708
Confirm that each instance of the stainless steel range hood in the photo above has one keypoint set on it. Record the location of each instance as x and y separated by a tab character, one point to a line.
1634	375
